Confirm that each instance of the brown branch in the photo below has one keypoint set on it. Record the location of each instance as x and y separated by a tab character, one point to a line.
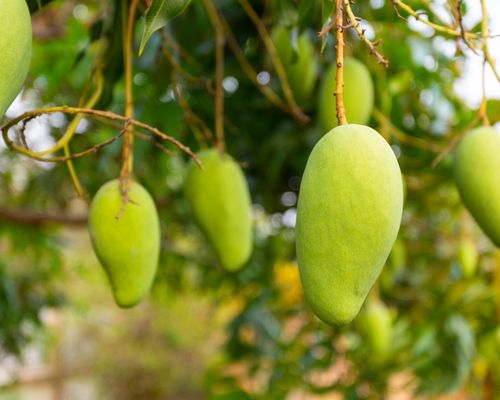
193	120
220	42
93	113
33	218
339	89
251	73
354	21
128	142
180	70
273	54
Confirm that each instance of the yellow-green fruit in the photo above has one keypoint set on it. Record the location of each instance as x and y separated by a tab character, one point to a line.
126	242
477	176
358	95
220	202
348	217
468	257
15	49
301	65
375	324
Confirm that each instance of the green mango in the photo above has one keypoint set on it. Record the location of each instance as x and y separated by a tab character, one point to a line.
127	245
15	50
477	176
468	257
375	325
220	202
358	95
348	217
301	65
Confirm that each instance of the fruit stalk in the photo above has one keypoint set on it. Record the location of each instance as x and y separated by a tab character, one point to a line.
128	26
339	31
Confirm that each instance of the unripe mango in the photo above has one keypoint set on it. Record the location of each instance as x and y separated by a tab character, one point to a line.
375	324
220	202
468	257
477	176
301	66
358	95
127	243
15	49
348	216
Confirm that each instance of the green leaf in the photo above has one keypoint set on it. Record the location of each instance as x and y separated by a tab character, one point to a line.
158	15
493	110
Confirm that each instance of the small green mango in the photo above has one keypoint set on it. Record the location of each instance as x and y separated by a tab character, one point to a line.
375	324
15	49
127	245
220	202
349	213
477	176
301	65
358	95
468	257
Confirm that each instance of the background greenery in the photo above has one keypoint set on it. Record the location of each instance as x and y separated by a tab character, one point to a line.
206	333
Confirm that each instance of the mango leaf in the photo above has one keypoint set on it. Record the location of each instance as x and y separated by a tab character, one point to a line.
158	15
493	110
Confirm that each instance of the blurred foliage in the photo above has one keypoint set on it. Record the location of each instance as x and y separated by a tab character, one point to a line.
445	325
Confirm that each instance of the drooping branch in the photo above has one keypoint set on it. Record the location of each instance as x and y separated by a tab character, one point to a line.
28	116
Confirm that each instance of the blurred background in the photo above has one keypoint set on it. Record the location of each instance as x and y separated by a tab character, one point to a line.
430	327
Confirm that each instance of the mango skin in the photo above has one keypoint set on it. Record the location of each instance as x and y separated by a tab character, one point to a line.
128	247
220	202
348	216
476	170
302	67
358	95
15	50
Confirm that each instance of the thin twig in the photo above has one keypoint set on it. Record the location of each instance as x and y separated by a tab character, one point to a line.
193	120
404	137
439	28
273	55
93	113
219	73
353	20
181	70
251	73
485	35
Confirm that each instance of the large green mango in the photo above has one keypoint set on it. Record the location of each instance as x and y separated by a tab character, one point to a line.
220	202
358	95
127	244
15	49
477	176
301	65
348	216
